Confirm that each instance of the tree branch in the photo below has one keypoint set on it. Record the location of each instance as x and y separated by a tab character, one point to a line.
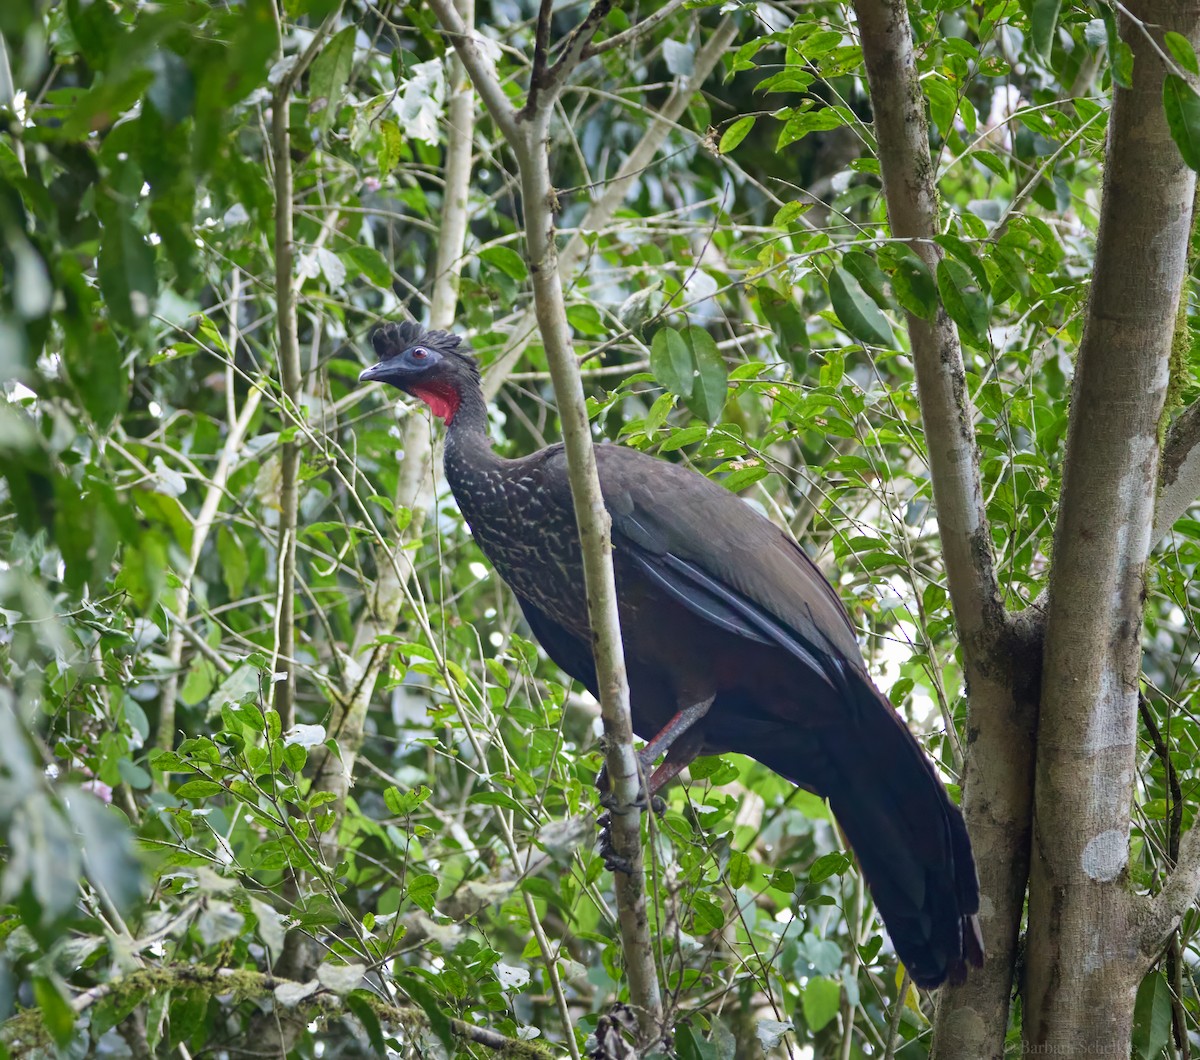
635	32
1180	892
1087	728
572	50
541	52
478	66
594	525
1180	485
290	376
249	983
601	212
528	138
972	1017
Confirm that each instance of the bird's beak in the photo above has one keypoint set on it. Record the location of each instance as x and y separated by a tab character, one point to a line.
368	374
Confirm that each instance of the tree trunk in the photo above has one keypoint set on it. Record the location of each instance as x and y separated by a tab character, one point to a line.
1000	653
1083	961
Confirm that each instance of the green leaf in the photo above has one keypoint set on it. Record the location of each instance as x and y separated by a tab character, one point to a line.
369	262
912	282
828	865
507	260
329	74
1043	19
1120	54
391	140
943	102
199	789
1151	1017
403	803
1183	118
359	1002
707	915
801	124
496	798
820	1002
671	362
735	134
125	265
422	890
108	852
1181	48
870	276
963	300
787	322
857	311
711	382
740	869
57	1014
235	566
439	1023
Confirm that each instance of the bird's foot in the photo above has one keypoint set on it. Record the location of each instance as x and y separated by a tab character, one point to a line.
613	861
608	797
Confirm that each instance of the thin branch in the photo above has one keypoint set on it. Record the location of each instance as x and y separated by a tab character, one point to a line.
635	32
541	50
906	167
1180	485
1179	894
594	524
479	66
528	138
602	211
290	371
572	51
893	1025
997	801
249	983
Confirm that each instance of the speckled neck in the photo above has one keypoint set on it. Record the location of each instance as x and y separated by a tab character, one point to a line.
468	445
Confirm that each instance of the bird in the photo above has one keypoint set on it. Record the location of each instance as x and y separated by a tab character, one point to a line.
734	641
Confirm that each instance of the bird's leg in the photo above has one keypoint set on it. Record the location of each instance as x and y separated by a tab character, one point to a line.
682	741
679	754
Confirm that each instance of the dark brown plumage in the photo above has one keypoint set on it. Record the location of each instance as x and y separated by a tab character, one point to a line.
725	618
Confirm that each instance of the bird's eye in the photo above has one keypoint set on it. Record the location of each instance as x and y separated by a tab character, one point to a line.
418	353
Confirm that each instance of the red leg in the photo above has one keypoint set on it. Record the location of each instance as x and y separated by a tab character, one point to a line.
683	722
679	738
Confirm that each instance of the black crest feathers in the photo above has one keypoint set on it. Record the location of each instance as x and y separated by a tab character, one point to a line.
391	340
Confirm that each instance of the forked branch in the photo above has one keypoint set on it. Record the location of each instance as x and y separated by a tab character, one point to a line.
527	135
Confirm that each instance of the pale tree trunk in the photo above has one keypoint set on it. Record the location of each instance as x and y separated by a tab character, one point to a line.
1087	936
1000	652
395	564
527	133
603	209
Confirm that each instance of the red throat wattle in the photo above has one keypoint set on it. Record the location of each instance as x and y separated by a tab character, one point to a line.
442	399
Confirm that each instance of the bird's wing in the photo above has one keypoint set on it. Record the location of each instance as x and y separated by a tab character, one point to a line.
566	650
722	559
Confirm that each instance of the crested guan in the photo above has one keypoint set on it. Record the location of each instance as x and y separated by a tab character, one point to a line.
734	641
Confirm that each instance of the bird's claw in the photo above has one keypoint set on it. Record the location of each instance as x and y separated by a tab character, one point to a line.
613	861
608	797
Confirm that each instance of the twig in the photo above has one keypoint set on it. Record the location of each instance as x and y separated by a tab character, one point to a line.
635	32
478	66
893	1026
997	800
528	137
601	212
249	983
289	366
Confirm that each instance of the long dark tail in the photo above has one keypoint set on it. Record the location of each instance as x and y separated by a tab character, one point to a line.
909	837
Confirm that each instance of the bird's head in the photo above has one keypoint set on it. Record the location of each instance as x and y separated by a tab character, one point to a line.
435	366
